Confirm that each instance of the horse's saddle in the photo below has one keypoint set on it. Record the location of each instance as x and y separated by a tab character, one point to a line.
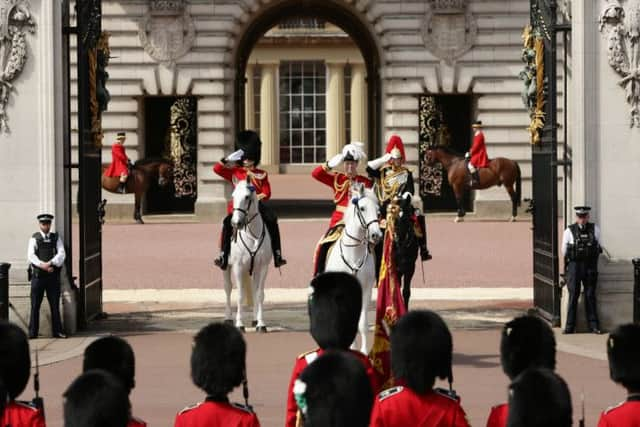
323	247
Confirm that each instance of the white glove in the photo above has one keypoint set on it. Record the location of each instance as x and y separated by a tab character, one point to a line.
335	160
235	156
467	155
379	162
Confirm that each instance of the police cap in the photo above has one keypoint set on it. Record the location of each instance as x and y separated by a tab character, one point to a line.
477	124
45	217
113	354
334	309
582	210
527	341
15	360
121	135
623	349
218	359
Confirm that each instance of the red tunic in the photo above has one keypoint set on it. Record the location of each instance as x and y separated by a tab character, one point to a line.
302	362
401	406
498	416
341	184
18	414
626	414
118	164
478	151
216	414
136	422
235	174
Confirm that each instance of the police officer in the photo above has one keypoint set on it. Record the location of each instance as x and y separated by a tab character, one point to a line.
581	248
623	350
46	255
421	351
15	368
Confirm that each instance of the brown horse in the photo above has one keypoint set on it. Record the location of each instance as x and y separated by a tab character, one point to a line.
501	171
142	174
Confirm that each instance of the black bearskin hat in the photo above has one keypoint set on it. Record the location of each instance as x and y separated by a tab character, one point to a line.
334	309
114	355
334	391
538	397
96	399
249	142
218	359
421	350
527	341
623	349
15	361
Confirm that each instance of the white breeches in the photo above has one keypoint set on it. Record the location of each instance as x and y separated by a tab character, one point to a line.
472	168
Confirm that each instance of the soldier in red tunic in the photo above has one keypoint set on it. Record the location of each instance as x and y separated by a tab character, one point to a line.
235	168
421	350
334	391
217	367
120	163
96	399
527	341
478	154
15	368
538	397
115	355
623	350
334	311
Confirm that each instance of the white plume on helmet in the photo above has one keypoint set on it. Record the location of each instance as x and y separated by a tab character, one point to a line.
356	150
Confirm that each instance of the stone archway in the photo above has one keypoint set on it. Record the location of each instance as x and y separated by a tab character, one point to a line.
343	16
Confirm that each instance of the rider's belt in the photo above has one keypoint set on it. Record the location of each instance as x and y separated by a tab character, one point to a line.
341	208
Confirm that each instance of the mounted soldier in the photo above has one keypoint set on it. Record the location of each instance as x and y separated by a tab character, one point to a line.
340	183
236	167
392	179
120	163
477	155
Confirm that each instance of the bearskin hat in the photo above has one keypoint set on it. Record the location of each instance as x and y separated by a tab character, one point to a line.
623	349
114	355
527	341
334	391
421	350
15	361
96	399
538	397
249	142
218	359
334	309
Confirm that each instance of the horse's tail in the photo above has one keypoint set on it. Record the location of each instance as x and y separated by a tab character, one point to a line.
518	184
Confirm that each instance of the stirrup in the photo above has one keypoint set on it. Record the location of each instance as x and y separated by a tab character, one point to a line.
220	262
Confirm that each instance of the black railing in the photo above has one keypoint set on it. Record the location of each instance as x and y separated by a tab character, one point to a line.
4	290
636	290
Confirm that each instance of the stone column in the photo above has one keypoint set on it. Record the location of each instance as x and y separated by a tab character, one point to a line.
358	103
335	109
249	104
269	128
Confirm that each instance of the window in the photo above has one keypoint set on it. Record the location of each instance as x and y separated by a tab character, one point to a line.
302	112
301	23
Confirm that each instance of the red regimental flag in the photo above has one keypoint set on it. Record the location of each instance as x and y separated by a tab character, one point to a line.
389	308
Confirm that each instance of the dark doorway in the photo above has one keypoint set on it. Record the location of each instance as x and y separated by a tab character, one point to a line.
170	132
444	120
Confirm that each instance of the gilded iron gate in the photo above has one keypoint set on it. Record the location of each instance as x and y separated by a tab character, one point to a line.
92	58
539	55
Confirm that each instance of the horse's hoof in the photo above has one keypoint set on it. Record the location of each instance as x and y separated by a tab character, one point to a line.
512	219
254	323
458	219
139	221
261	329
228	321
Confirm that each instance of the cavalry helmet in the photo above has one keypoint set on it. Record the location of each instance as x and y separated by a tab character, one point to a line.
354	151
15	360
421	350
539	397
395	147
218	359
114	355
249	142
623	349
527	341
334	390
334	309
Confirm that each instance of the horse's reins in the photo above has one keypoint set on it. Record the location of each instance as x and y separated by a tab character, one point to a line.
260	239
360	242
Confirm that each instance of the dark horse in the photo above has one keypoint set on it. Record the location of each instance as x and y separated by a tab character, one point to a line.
142	174
501	171
406	247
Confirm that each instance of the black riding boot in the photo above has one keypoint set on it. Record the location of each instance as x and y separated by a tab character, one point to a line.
122	188
475	178
424	251
271	221
225	245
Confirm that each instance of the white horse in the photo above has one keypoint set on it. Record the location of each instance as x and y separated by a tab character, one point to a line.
352	253
249	256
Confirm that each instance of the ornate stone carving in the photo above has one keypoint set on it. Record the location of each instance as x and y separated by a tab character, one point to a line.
182	147
449	29
167	32
15	22
534	91
620	25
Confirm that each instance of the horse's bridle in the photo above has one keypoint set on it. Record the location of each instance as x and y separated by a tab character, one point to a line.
364	225
245	212
252	254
